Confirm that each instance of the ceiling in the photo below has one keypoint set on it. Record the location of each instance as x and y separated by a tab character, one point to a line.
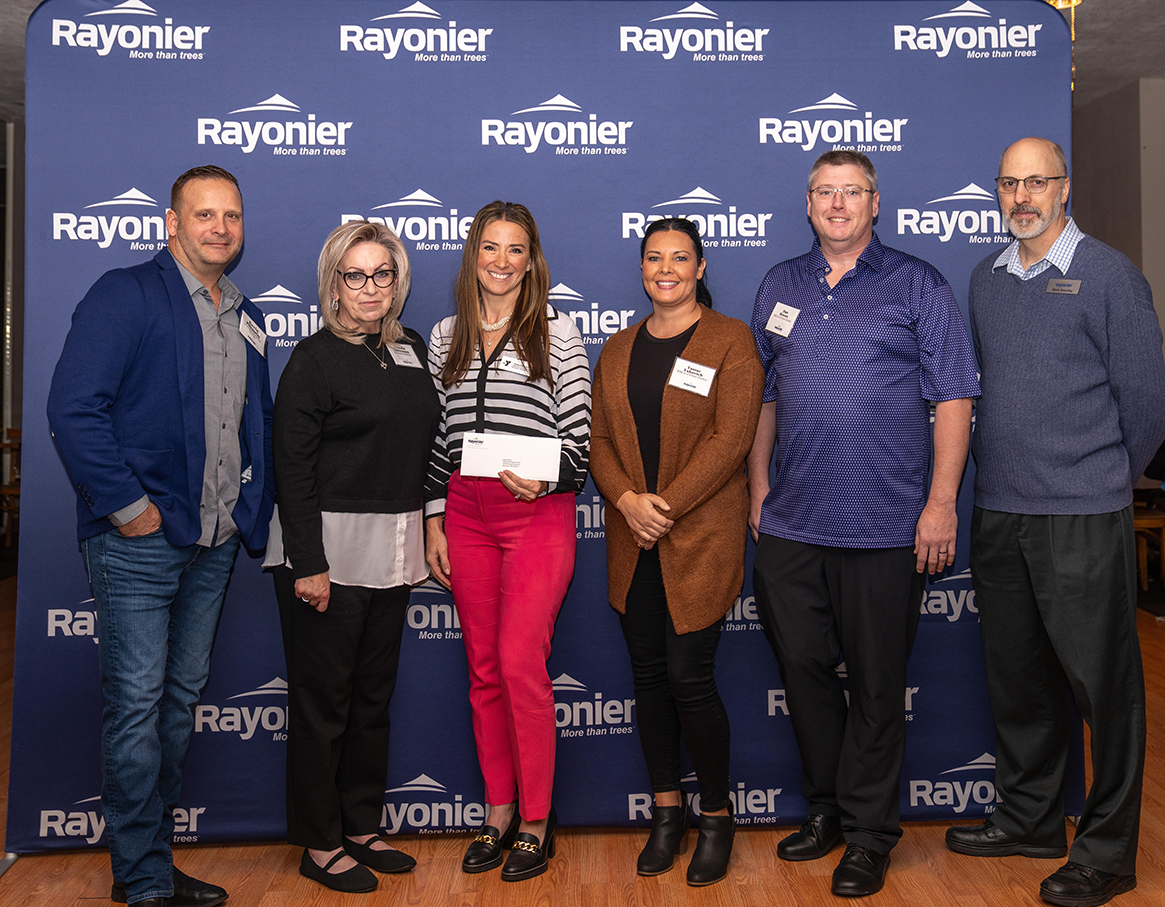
1117	42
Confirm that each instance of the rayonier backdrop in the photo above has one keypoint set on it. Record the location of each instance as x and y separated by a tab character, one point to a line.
596	115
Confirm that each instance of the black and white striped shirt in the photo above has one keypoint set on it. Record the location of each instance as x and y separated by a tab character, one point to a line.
493	399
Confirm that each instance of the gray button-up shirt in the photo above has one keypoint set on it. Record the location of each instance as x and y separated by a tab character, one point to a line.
224	365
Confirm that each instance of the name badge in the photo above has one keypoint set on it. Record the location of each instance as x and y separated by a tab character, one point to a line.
691	376
404	355
1063	287
512	364
252	333
782	320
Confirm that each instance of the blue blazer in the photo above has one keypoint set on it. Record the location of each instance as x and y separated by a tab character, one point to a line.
126	407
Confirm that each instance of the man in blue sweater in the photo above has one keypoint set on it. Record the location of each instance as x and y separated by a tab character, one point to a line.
1073	408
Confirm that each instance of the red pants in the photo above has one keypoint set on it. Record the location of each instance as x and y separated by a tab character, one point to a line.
511	563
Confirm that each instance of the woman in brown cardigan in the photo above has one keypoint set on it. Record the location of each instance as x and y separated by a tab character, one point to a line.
675	405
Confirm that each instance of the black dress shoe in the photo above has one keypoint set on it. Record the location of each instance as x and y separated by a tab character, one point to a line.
861	871
485	850
188	892
380	860
529	858
817	837
989	840
1075	885
713	849
669	832
356	880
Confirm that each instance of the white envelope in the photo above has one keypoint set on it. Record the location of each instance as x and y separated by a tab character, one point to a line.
526	457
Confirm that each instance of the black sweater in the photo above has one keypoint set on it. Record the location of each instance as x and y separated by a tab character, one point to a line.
349	437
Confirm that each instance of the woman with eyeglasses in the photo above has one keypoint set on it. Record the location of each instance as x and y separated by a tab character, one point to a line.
355	417
507	363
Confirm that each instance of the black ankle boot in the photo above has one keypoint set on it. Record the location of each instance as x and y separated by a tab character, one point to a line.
669	834
713	849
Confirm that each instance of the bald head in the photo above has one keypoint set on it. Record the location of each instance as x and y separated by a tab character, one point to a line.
1034	145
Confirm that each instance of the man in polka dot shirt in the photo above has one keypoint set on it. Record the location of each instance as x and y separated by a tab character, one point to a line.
857	341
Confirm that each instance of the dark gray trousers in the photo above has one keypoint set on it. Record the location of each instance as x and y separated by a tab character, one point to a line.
1057	600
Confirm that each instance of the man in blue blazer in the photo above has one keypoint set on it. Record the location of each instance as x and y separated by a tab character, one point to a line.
161	409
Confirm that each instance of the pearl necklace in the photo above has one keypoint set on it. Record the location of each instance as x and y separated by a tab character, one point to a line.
500	323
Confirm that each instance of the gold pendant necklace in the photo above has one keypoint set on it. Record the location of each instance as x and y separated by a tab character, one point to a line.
379	360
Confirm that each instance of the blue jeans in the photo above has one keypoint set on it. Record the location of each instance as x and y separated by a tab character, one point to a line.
157	611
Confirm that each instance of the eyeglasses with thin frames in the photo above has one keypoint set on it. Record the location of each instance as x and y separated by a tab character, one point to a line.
849	193
1036	185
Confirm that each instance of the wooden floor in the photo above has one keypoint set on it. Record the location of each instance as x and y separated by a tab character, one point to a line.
596	868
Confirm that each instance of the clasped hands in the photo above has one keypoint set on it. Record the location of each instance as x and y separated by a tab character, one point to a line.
644	513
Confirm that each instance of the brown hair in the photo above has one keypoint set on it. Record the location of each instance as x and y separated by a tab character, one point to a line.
840	158
529	326
207	172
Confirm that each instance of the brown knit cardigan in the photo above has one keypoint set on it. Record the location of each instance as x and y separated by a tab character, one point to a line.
703	443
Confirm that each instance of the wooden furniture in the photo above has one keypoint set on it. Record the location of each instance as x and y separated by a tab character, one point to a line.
1149	525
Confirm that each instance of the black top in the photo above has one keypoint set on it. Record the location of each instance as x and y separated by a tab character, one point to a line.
647	373
350	436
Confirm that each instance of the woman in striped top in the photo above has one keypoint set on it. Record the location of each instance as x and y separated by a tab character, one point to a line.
508	363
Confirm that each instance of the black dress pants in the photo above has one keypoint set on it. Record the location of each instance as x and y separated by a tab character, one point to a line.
675	690
819	605
1057	600
341	671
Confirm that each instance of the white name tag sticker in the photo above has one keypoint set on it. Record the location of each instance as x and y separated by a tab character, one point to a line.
691	376
512	364
404	355
252	333
527	457
1063	287
782	320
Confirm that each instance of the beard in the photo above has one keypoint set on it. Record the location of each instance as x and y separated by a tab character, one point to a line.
1044	218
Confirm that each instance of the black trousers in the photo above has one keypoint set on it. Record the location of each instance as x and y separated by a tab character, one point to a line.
1057	600
817	605
341	671
675	690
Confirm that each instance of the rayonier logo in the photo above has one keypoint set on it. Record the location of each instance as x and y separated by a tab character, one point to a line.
589	717
955	599
860	132
69	622
980	224
980	42
428	808
431	232
144	41
432	613
143	232
286	137
246	720
585	135
88	824
724	229
722	42
430	44
595	324
288	327
959	794
750	806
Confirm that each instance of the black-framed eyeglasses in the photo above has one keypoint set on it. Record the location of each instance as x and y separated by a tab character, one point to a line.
355	280
1036	185
849	193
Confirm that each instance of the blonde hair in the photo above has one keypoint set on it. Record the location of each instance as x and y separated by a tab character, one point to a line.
338	244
